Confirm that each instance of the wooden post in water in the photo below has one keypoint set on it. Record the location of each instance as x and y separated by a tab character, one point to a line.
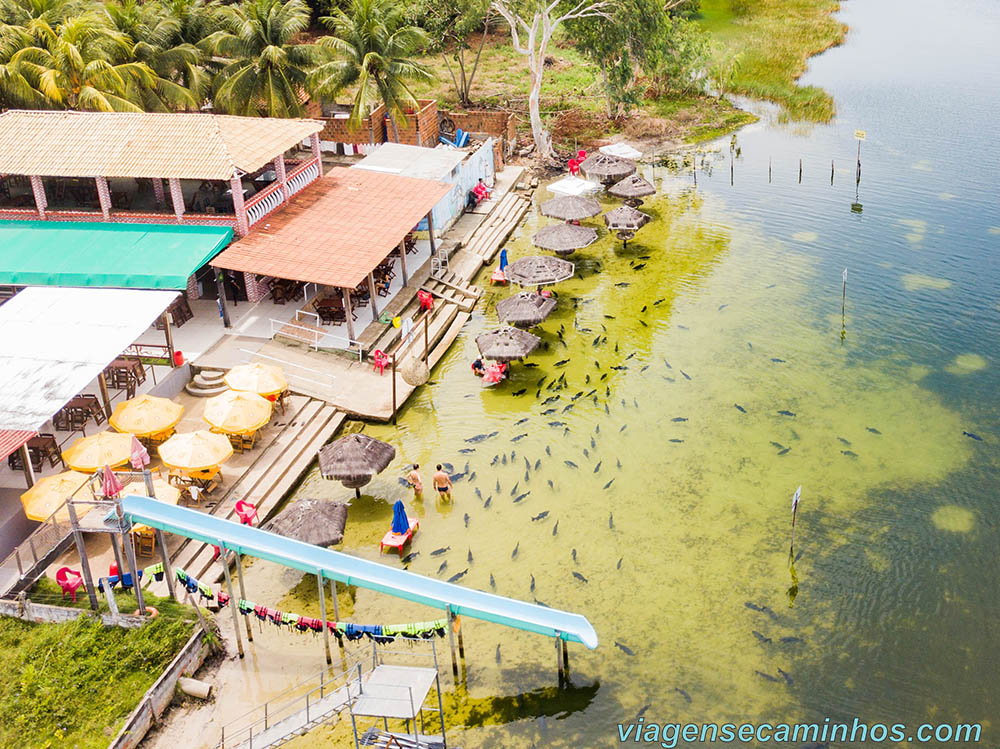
243	590
394	388
322	616
427	317
800	171
565	659
232	603
731	166
768	170
831	172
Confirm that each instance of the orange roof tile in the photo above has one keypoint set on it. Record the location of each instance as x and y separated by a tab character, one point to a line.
337	230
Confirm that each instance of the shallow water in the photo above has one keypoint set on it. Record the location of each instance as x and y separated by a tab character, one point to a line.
739	303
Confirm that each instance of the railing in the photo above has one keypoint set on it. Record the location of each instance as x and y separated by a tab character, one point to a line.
272	196
301	176
324	380
119	216
150	353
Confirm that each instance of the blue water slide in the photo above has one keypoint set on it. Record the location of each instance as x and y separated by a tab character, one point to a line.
245	539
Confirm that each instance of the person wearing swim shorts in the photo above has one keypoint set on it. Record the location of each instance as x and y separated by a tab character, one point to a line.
442	483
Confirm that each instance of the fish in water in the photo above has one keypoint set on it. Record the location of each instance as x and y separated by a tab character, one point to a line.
624	427
973	436
551	399
573	554
458	576
620	559
503	459
779	361
760	637
593	444
410	557
722	307
481	437
642	710
531	587
621	285
538	464
849	453
586	453
567	408
680	691
578	394
562	363
624	648
403	482
777	445
472	476
785	413
557	424
644	367
762	675
799	556
683	327
847	443
498	655
786	676
467	450
791	640
608	485
522	391
466	519
661	300
459	476
619	463
596	341
686	375
873	430
640	266
448	467
598	466
676	440
493	583
439	552
519	497
580	577
530	364
679	418
571	464
442	567
749	345
548	451
486	504
539	385
606	409
754	607
643	323
541	515
514	490
469	557
520	421
517	546
667	363
611	521
739	408
549	411
519	437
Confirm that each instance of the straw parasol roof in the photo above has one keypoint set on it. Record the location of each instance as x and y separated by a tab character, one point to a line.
565	239
235	412
525	309
90	454
626	218
313	521
607	169
355	459
507	343
146	415
632	187
539	270
263	379
195	451
51	492
570	208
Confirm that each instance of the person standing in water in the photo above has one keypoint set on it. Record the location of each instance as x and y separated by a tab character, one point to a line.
442	483
416	483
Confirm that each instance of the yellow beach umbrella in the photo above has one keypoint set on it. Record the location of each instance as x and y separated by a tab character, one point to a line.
236	412
49	493
195	451
263	379
146	415
92	453
164	492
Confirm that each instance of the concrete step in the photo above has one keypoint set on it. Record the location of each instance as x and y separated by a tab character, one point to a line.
443	316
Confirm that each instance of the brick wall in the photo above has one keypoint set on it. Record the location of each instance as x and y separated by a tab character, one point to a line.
256	290
372	129
420	128
501	125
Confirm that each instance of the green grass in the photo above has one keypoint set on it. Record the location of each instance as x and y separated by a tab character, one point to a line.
772	40
74	684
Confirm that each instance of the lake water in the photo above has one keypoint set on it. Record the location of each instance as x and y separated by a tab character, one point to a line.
739	303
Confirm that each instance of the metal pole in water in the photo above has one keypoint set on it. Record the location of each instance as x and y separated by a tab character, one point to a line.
831	172
559	663
322	616
800	171
565	658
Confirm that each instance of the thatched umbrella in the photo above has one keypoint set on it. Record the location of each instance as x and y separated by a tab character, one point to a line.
633	188
565	239
626	221
312	521
525	309
607	169
539	270
354	460
570	208
506	344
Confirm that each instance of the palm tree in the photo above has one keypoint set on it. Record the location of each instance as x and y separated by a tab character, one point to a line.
370	51
263	72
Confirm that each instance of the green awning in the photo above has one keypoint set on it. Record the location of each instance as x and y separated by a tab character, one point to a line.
139	256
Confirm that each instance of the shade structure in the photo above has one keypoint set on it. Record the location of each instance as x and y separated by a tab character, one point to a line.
263	379
91	454
607	169
525	309
236	412
621	150
355	459
565	239
573	186
313	521
400	523
539	270
195	451
49	493
626	218
146	415
507	344
164	492
632	187
111	486
570	208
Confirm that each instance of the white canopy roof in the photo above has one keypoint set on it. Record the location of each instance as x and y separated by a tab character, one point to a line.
621	150
413	161
54	341
574	186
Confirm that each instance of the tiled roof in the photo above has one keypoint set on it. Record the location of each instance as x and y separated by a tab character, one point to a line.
337	230
126	144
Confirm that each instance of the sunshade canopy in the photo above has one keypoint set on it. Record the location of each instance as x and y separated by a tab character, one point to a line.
626	218
313	521
507	344
570	208
92	453
607	169
235	412
195	451
633	186
146	415
51	492
565	238
263	379
56	341
136	256
621	150
525	309
355	459
539	270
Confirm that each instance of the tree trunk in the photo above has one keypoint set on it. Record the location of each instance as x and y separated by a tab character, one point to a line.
395	129
543	143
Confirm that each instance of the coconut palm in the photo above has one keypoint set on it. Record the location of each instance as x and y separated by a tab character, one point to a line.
263	72
370	51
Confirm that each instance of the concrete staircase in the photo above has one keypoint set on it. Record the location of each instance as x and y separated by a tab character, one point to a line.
206	383
450	287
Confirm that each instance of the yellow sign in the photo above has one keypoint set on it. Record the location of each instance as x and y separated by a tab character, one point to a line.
859	134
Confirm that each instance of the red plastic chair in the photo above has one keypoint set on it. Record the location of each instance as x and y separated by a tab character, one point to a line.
380	360
246	512
426	300
574	167
69	581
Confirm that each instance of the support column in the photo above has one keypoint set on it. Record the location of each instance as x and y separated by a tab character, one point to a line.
38	189
233	601
322	616
317	154
103	384
243	590
136	582
177	198
336	618
81	549
220	283
29	471
371	294
147	477
168	336
104	196
430	231
451	639
349	316
161	199
242	223
402	261
282	176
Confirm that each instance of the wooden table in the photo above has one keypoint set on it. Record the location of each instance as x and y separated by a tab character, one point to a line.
80	410
40	448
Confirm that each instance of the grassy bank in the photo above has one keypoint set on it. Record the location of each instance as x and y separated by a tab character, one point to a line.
73	684
762	47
